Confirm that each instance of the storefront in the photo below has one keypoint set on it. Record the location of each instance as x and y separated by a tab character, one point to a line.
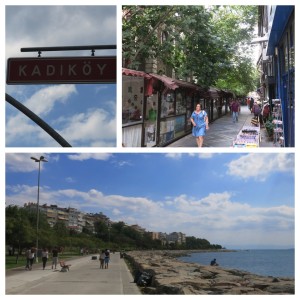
133	102
156	109
216	103
281	46
176	103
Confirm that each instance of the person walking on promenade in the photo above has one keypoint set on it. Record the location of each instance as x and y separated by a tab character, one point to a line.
27	252
54	257
199	119
31	258
102	258
106	259
235	111
45	255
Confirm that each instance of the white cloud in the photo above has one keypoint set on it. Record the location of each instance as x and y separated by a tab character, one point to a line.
22	162
56	26
70	180
86	156
43	101
21	130
178	156
261	166
94	128
214	217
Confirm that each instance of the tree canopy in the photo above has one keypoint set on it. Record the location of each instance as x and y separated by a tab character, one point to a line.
21	233
209	43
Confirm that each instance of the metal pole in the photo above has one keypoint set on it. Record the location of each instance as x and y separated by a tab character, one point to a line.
26	111
42	158
38	214
69	48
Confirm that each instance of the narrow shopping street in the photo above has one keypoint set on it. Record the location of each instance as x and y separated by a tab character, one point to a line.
222	132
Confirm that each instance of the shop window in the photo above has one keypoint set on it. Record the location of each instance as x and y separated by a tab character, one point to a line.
292	52
180	103
151	120
132	136
132	99
167	105
167	131
179	126
286	58
189	110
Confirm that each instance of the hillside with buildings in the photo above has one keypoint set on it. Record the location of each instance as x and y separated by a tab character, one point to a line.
69	226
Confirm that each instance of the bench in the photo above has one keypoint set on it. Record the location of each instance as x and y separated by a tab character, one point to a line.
64	266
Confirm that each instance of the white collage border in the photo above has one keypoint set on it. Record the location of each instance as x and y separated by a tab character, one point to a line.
119	148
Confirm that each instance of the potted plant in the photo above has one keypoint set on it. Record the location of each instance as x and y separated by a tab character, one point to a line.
269	125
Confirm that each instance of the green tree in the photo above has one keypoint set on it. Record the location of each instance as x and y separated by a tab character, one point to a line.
210	43
19	231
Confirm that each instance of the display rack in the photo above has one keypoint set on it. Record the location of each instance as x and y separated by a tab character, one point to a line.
248	137
278	135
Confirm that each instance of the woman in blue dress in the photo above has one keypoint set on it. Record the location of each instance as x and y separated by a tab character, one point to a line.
199	120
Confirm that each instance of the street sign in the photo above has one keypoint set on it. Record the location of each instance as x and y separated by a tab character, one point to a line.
51	70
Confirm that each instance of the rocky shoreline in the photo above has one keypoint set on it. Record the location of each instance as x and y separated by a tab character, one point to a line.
171	276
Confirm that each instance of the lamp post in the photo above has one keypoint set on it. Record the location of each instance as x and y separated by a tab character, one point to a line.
42	158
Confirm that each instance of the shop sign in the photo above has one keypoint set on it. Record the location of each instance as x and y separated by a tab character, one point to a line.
51	70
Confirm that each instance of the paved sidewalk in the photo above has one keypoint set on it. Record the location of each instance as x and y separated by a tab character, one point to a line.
222	132
84	278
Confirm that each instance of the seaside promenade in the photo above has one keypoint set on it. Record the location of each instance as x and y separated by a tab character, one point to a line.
84	278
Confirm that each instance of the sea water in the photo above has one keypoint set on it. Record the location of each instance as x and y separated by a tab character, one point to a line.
277	263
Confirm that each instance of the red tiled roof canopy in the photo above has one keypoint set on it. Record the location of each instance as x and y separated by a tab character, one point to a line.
186	84
173	84
168	82
129	72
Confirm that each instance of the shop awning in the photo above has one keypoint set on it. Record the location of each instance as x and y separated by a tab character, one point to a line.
186	84
228	94
212	93
129	72
168	82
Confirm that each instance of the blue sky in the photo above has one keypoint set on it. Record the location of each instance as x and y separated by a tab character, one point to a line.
236	200
85	115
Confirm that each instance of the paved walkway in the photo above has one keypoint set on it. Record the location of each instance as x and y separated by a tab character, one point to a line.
84	278
222	132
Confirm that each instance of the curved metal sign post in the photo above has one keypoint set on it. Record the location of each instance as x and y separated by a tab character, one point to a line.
37	120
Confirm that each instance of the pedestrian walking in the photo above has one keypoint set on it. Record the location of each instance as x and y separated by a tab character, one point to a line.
251	104
31	258
54	257
199	119
248	103
45	255
106	258
256	109
27	258
102	258
266	112
235	107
